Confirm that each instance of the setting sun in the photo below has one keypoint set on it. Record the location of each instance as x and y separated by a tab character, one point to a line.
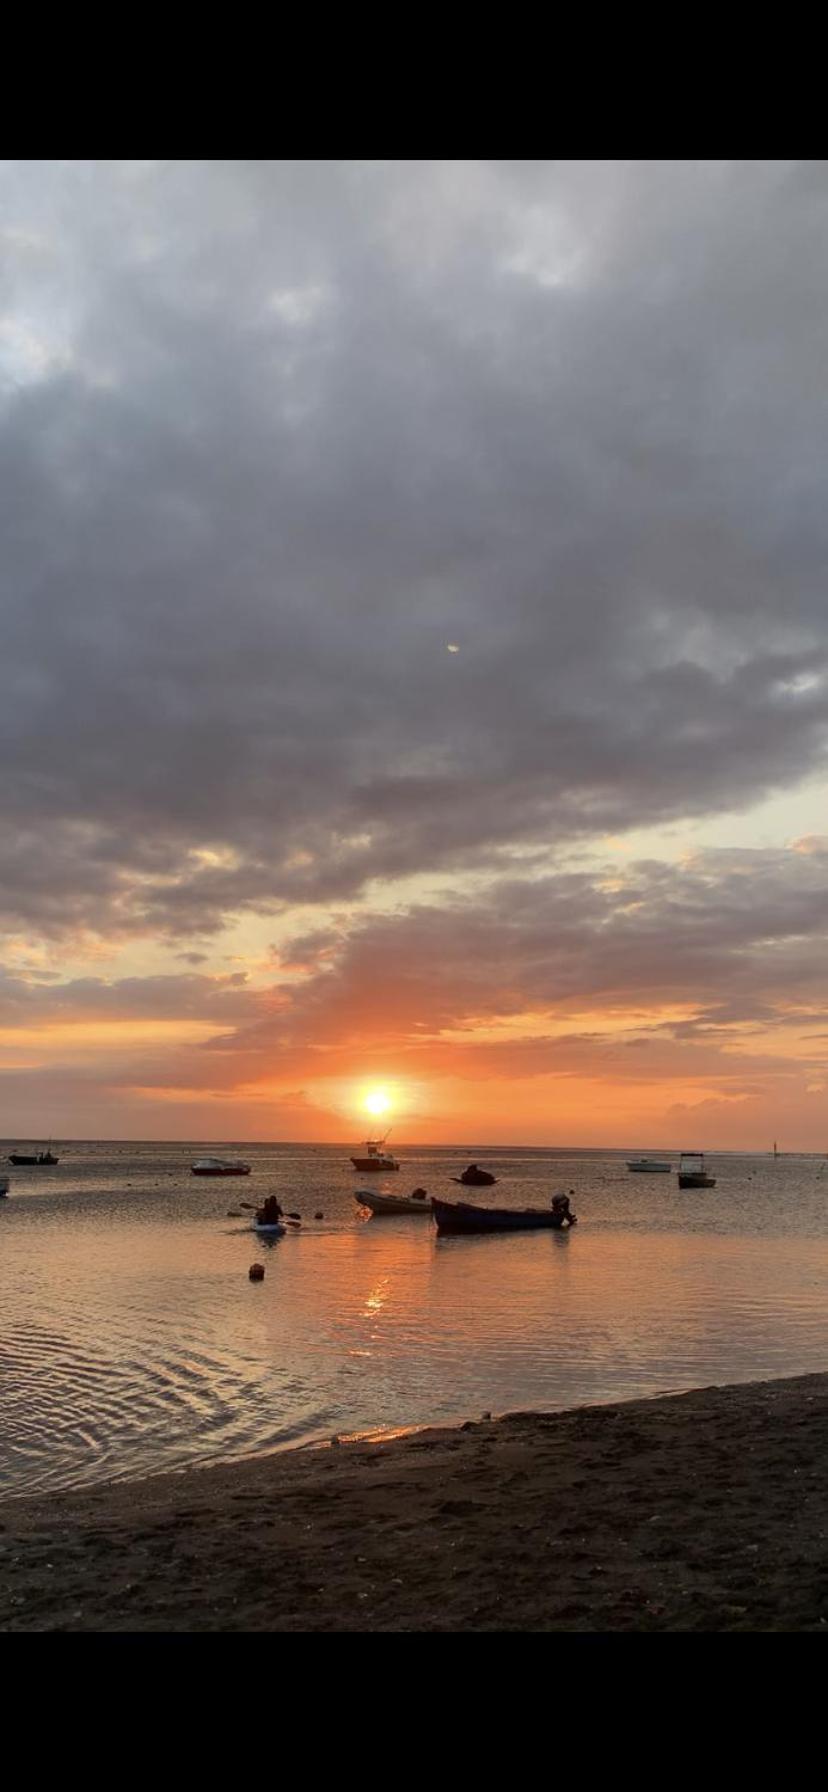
377	1101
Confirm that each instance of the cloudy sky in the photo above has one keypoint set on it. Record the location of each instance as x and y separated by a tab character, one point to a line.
414	650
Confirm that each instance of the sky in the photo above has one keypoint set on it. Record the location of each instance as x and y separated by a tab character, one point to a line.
414	652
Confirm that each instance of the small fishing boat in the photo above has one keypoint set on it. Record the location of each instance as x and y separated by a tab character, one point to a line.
417	1203
692	1172
219	1166
461	1216
34	1156
375	1158
649	1166
475	1178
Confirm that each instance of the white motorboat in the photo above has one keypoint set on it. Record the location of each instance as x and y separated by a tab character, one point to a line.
219	1166
692	1172
375	1158
419	1203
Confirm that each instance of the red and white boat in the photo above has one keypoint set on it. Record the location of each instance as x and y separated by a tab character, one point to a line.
219	1166
375	1158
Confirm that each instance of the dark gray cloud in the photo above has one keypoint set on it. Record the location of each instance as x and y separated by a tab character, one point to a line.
272	435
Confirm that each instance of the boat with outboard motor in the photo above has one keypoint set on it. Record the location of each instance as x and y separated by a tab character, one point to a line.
462	1216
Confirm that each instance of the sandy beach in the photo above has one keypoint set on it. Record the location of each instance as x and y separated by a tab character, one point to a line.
702	1511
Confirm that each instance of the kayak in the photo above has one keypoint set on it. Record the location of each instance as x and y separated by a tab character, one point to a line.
277	1231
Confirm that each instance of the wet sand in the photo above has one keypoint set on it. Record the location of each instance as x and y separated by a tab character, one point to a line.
702	1511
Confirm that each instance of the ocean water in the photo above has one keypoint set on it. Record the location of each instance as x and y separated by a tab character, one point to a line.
132	1340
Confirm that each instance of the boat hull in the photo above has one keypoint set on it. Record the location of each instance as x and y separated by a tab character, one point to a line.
481	1180
277	1231
461	1217
228	1170
390	1204
374	1166
697	1181
23	1157
644	1169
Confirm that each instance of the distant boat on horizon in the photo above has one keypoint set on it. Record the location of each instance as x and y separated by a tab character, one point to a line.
219	1166
692	1172
375	1158
34	1157
649	1165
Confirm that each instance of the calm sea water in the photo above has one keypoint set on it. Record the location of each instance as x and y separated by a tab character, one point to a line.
132	1341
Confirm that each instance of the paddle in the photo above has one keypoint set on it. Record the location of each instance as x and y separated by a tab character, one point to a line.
253	1207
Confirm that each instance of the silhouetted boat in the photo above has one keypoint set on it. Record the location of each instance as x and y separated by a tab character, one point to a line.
475	1178
33	1157
692	1172
461	1216
649	1165
219	1166
378	1203
375	1158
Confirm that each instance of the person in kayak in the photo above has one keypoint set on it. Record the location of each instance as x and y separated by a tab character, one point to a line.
560	1206
270	1214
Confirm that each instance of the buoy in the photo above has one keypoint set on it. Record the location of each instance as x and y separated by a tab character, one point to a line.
256	1272
319	1216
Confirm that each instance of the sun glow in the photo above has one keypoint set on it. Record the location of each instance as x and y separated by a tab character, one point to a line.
377	1102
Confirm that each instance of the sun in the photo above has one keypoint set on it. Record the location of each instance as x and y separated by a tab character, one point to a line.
378	1102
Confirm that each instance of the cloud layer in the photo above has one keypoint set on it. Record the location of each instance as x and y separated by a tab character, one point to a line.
273	436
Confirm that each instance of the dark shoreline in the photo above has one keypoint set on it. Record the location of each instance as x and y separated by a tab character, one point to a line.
705	1511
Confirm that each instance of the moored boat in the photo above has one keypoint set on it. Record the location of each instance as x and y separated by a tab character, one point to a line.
375	1158
462	1216
649	1166
33	1157
474	1177
692	1172
378	1203
219	1166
